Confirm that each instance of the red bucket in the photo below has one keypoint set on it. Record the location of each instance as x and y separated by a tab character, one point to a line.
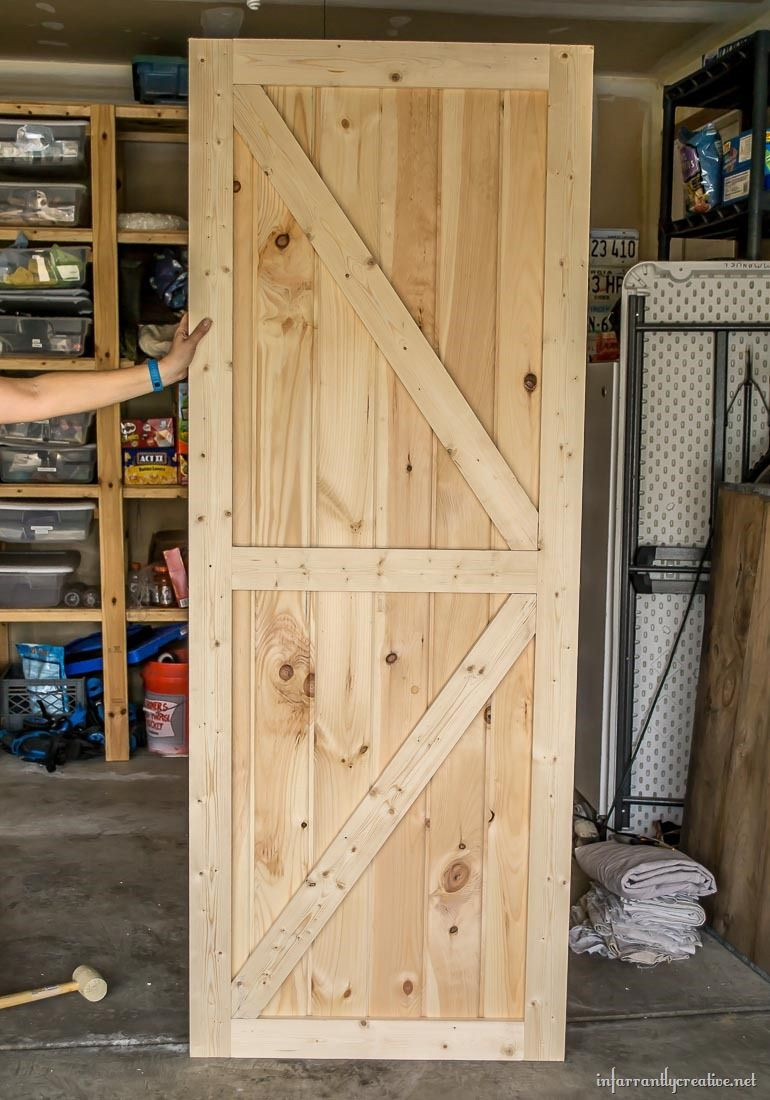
167	689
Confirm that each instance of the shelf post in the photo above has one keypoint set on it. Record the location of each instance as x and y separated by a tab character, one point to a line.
758	129
666	176
107	353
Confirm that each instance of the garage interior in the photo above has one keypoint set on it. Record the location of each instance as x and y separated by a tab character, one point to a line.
674	618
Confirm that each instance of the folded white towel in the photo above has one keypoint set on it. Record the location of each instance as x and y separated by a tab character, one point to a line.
641	932
644	872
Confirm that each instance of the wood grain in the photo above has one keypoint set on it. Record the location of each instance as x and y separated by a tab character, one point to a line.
403	501
330	64
211	250
361	836
727	814
467	290
340	569
283	705
108	454
428	1040
518	371
570	104
347	362
347	258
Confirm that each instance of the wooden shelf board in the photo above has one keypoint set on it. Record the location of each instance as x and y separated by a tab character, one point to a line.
8	362
160	137
157	615
152	236
54	233
49	492
150	112
54	110
154	492
50	615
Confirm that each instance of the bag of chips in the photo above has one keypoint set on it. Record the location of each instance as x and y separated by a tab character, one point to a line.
700	156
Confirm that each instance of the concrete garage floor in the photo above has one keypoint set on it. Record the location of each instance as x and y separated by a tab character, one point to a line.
94	870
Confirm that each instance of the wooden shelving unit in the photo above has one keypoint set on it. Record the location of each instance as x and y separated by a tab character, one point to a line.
157	615
111	127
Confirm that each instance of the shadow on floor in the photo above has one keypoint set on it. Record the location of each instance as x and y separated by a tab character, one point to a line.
95	870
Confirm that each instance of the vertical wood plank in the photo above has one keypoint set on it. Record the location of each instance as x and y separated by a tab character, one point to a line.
517	433
211	294
345	392
245	261
561	459
283	673
467	288
727	814
108	453
404	477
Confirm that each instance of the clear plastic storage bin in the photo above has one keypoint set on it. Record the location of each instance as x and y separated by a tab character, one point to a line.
43	203
46	303
41	336
57	429
42	268
47	464
35	580
42	146
46	520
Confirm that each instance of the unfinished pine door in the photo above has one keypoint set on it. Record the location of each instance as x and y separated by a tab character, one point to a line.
386	452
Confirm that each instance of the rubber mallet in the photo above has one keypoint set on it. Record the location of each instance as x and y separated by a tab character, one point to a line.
85	980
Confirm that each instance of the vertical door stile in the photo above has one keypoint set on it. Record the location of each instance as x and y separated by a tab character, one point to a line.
211	294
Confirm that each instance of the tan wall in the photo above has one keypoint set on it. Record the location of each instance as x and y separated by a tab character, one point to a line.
626	157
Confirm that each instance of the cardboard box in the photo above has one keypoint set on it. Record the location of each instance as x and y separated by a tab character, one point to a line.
736	166
157	433
149	452
182	437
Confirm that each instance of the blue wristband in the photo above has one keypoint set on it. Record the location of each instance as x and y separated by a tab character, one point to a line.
155	378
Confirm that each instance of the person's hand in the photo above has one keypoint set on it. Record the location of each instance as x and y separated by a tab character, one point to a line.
175	365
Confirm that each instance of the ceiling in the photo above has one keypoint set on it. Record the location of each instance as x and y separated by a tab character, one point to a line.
628	35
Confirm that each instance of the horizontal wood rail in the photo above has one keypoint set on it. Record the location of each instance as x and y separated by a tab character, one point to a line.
345	569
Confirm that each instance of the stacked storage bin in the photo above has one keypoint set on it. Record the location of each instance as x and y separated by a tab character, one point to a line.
45	313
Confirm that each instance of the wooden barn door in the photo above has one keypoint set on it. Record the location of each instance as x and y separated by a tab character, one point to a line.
386	452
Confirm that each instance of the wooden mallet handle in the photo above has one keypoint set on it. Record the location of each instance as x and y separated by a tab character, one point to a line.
85	980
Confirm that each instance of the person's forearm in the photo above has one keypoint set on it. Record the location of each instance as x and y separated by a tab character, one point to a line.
64	393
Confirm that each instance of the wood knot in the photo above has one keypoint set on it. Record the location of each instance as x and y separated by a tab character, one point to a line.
453	930
345	123
347	992
488	715
286	672
282	241
530	382
395	77
236	186
408	987
456	876
391	658
309	685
